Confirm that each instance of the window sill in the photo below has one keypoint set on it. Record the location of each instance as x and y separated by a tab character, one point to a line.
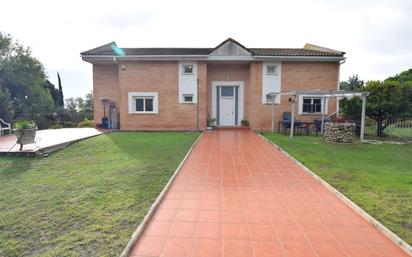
312	114
143	113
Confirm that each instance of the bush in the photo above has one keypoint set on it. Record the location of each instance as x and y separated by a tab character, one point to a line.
244	123
56	126
69	124
25	124
86	124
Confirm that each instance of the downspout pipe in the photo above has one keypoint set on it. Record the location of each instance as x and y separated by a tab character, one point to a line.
338	86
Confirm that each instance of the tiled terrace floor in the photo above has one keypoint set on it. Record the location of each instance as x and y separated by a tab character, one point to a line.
239	196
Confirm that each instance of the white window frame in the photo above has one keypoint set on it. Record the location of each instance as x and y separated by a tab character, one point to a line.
187	82
132	96
275	66
184	69
271	82
269	98
188	95
323	108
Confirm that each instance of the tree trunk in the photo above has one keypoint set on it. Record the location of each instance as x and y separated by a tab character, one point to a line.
379	129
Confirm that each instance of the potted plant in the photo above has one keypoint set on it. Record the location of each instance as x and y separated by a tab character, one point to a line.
211	123
25	132
244	123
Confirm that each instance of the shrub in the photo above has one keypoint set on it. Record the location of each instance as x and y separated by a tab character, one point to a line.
211	122
69	124
25	124
244	123
86	124
56	126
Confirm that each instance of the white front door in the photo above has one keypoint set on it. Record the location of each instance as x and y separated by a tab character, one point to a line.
227	106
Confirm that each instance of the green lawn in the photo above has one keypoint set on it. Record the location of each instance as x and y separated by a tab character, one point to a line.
376	177
87	199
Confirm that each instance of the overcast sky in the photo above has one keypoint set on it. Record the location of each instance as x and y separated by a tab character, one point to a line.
375	34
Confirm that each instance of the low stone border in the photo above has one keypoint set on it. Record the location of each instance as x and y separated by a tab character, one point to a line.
387	232
140	229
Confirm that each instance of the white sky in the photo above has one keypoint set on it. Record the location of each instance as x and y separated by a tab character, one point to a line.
375	34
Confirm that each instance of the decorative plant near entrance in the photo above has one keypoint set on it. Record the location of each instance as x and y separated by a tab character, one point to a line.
245	123
211	123
25	132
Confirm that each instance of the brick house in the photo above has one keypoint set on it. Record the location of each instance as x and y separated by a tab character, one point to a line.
175	88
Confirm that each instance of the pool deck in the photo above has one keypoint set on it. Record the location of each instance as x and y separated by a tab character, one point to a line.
47	140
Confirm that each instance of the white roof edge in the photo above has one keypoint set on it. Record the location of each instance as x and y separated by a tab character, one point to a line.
209	58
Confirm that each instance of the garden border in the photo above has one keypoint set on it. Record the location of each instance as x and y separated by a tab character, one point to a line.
387	232
140	229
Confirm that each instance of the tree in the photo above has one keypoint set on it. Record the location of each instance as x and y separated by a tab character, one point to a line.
388	99
404	76
24	78
353	83
5	110
55	93
60	98
383	102
79	109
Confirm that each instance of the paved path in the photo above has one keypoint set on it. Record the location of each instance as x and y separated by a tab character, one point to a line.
239	196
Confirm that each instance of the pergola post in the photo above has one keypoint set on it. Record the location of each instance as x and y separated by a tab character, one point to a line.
273	113
362	128
292	118
323	114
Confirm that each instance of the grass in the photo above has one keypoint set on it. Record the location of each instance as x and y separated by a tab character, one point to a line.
378	178
87	199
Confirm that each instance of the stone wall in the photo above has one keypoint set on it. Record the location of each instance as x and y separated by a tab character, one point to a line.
340	132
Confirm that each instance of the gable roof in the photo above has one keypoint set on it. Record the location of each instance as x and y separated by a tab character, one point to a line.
230	46
309	50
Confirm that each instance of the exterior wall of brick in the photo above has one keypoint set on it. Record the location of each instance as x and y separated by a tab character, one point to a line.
160	77
295	76
105	85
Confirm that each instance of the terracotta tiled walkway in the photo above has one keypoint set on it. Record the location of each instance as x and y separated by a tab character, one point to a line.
239	196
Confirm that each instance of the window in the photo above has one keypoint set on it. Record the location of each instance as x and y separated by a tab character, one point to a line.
187	68
269	98
312	105
227	91
143	102
188	98
272	69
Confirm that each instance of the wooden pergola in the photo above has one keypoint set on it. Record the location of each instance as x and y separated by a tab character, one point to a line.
323	95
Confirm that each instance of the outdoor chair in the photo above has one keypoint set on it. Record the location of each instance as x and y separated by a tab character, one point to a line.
4	126
286	121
